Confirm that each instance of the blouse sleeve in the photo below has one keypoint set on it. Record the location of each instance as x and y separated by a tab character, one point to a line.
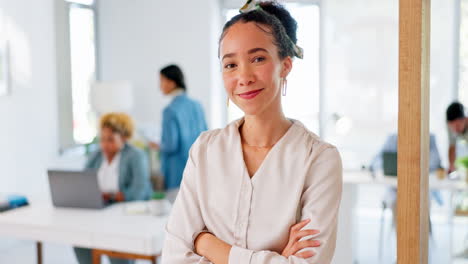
185	221
320	203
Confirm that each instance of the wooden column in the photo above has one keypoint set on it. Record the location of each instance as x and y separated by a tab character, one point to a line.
413	132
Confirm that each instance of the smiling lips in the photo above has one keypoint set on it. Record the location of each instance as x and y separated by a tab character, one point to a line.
250	94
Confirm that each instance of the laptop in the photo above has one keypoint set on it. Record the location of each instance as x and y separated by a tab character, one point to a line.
390	166
76	189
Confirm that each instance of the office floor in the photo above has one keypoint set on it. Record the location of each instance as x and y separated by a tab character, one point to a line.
445	242
368	224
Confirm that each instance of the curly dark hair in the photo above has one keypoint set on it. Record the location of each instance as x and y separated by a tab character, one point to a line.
282	25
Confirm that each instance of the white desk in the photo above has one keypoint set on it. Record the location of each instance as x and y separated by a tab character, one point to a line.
365	177
109	230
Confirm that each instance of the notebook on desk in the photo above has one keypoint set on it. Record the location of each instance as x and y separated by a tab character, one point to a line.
390	166
77	189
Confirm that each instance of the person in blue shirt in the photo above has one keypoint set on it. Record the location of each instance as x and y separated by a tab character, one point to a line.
390	145
182	122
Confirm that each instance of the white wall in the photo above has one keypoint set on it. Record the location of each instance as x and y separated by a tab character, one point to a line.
63	72
137	38
28	116
444	67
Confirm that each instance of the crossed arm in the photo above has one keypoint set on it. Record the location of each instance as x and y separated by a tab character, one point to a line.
320	201
218	251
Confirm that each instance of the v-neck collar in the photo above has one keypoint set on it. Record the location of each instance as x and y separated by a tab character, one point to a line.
238	123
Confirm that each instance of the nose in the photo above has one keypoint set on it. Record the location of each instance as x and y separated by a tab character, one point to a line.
246	75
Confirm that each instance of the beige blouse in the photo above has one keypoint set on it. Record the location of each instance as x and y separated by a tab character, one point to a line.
300	178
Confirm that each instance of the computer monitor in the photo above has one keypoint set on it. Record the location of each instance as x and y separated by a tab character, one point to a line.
390	166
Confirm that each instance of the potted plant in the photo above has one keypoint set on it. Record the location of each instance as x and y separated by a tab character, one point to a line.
462	165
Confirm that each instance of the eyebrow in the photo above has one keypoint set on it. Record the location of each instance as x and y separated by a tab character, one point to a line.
251	51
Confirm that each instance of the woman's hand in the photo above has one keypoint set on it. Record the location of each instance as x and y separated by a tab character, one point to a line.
200	242
154	145
119	197
106	197
294	245
111	197
212	248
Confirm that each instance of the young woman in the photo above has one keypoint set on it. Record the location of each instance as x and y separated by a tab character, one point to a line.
264	189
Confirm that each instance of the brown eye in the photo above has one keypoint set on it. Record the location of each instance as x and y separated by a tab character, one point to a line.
229	66
258	59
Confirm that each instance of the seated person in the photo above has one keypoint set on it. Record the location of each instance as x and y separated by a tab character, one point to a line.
391	146
457	125
123	172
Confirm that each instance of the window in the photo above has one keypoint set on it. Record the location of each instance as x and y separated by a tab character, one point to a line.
463	59
302	99
83	68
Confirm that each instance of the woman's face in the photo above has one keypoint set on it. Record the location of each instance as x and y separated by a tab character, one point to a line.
110	142
166	85
252	69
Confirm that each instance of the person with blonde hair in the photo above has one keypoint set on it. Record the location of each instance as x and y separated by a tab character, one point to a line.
123	171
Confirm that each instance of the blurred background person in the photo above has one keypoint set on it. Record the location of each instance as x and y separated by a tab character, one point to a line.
457	127
183	121
123	172
390	146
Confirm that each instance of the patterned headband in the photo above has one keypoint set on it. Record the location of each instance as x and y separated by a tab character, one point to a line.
252	5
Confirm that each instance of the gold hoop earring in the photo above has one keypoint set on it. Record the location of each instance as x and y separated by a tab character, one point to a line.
285	86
